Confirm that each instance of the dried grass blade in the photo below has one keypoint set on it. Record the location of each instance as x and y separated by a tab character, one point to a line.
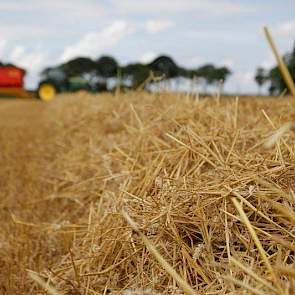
273	139
243	285
251	273
286	270
258	244
282	66
187	289
51	290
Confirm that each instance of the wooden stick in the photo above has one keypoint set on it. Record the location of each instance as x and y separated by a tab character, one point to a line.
282	66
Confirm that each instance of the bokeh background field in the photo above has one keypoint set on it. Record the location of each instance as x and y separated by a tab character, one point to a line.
174	163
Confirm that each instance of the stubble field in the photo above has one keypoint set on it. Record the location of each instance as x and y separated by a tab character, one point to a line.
193	174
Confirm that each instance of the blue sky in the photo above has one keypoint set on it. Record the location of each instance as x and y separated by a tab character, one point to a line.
36	33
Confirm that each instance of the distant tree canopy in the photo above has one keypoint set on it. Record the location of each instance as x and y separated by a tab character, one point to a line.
107	67
79	66
260	77
165	66
135	74
207	72
212	74
273	77
222	73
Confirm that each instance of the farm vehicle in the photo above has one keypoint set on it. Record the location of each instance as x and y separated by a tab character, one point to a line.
53	81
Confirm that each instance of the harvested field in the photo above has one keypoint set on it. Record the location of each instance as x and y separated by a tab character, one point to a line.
193	174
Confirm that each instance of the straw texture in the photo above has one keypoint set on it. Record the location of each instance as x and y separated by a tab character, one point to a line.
207	208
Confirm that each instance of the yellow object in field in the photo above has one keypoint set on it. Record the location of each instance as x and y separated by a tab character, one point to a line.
15	92
46	92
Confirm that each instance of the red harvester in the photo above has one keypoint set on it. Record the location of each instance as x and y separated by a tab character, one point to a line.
12	82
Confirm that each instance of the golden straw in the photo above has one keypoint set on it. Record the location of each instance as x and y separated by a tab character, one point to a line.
282	66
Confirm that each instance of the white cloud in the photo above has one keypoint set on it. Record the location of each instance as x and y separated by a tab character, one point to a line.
93	43
16	32
286	29
3	44
268	61
195	61
71	11
148	57
32	60
73	7
156	26
227	62
247	76
10	6
212	7
242	81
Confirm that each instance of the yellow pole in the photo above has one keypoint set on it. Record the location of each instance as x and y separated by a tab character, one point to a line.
284	70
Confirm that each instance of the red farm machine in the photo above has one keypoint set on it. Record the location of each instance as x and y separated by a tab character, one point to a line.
53	81
12	85
12	82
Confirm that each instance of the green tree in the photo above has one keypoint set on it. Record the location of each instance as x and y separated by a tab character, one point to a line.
277	84
260	77
79	66
273	76
211	75
183	72
164	65
107	67
135	74
207	74
221	74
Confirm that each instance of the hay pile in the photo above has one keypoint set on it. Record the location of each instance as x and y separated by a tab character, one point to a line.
194	177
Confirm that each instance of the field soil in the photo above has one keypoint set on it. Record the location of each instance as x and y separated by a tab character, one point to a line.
194	174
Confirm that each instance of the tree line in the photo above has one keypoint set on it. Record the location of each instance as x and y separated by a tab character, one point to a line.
272	78
100	71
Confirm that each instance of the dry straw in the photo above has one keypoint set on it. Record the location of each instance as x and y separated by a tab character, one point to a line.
173	162
290	84
182	283
283	68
